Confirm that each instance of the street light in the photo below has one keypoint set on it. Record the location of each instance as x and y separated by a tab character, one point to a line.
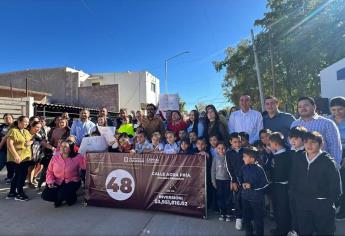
166	68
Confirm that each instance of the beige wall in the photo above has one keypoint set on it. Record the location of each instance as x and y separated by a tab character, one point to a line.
134	87
62	83
98	96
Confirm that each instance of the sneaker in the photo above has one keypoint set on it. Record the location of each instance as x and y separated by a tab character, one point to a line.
340	216
11	196
221	218
21	197
292	233
228	218
238	225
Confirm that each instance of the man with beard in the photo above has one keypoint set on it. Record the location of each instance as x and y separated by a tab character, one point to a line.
151	123
326	127
82	127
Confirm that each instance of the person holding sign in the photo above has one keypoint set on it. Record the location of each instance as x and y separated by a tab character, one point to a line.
63	176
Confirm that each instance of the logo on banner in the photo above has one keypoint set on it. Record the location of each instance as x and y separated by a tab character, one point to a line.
120	185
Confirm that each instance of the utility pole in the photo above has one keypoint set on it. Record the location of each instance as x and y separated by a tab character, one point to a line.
258	73
11	86
27	87
272	66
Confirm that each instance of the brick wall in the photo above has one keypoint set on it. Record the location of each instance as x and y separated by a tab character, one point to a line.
97	96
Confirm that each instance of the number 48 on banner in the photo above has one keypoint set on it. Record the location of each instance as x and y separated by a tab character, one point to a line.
120	184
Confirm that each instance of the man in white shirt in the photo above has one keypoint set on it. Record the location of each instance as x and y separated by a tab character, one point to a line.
246	120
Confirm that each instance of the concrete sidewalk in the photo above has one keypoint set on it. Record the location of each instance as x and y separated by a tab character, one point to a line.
37	217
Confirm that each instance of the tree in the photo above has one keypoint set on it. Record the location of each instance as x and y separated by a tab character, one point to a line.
307	36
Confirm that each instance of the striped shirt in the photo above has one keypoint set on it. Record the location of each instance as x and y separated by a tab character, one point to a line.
249	122
329	131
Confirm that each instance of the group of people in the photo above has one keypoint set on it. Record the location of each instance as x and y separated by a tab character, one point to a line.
258	164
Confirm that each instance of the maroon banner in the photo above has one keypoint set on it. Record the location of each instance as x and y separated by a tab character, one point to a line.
160	182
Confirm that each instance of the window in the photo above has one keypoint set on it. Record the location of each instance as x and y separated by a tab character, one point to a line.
153	87
341	74
96	84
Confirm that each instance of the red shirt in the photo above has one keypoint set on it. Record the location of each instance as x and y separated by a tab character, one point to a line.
177	127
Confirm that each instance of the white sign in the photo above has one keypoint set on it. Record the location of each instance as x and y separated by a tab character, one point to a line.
120	185
169	102
93	144
109	134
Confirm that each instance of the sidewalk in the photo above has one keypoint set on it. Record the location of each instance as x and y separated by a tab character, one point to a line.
37	217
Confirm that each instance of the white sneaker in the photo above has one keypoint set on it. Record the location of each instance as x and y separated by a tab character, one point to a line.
292	233
238	224
221	218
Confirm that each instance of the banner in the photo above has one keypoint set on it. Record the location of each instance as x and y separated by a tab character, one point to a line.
160	182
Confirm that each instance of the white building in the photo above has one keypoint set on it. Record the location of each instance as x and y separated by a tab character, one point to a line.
333	80
136	89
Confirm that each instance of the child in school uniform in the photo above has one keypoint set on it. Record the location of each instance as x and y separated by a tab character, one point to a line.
221	181
193	137
185	147
142	144
171	147
280	166
234	160
155	146
316	186
296	137
213	140
201	145
253	181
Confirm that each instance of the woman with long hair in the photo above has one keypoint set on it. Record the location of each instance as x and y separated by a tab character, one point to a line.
63	175
214	126
36	151
177	123
19	156
61	131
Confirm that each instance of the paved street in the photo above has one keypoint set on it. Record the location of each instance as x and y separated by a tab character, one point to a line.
37	217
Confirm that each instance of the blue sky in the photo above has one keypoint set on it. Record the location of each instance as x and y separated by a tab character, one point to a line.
127	35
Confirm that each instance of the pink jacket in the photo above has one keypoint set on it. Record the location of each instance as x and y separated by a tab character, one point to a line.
65	169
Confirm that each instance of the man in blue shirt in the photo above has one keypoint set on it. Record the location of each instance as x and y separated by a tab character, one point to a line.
274	119
326	127
82	127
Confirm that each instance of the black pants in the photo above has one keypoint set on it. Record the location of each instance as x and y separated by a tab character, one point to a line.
342	197
20	174
319	220
64	192
10	170
293	210
238	204
253	211
224	196
280	198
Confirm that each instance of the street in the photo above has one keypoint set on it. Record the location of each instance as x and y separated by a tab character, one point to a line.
37	217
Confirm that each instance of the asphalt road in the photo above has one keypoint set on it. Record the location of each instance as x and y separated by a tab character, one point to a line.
37	217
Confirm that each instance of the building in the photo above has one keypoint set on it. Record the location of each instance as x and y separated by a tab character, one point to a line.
136	89
61	83
333	80
130	90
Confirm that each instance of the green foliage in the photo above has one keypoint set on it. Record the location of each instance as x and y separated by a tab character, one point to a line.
306	37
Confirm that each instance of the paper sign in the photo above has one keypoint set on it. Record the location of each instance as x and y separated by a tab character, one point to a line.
93	144
109	134
169	102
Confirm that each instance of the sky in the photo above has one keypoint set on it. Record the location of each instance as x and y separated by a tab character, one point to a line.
129	35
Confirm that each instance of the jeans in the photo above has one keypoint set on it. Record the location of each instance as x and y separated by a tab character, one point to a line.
224	196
